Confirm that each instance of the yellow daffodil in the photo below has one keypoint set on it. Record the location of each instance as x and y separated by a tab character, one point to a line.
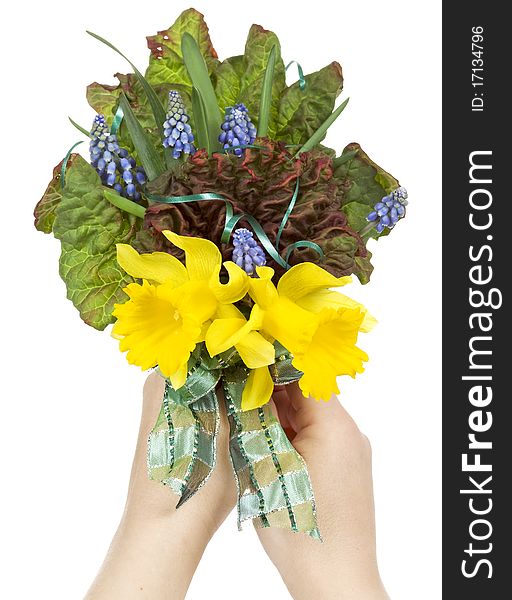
318	326
231	329
168	314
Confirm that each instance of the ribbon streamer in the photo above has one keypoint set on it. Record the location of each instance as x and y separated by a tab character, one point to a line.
287	214
274	488
302	79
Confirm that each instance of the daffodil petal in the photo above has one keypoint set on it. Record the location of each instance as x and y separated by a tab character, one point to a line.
261	288
236	287
321	299
255	351
290	324
179	377
203	258
204	328
258	389
157	267
305	278
224	334
265	272
256	317
228	311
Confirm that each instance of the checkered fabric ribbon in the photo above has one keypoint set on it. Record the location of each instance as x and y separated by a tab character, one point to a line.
274	488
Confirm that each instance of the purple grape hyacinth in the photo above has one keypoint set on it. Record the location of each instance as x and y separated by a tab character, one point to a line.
177	131
237	129
247	254
388	211
116	168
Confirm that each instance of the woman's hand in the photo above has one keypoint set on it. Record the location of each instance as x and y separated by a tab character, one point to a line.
156	549
338	457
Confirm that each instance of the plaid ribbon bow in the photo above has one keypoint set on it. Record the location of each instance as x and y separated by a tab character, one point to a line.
274	488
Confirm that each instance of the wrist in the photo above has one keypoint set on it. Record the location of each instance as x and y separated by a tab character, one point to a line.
190	523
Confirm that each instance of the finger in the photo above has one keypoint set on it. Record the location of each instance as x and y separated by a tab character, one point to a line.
280	394
310	412
282	403
140	485
292	418
153	393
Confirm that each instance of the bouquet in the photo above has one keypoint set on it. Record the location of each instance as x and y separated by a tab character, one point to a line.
212	228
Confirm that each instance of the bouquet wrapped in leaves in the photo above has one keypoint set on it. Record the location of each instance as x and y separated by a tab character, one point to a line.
211	226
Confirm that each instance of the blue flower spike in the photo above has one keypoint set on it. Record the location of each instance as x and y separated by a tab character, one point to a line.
247	253
177	131
237	129
116	168
389	210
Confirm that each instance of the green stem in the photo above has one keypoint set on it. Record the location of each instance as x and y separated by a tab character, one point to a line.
366	230
124	204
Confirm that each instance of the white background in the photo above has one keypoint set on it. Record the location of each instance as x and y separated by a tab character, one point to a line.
70	403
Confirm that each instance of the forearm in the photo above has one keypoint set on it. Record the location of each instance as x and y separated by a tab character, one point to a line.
325	573
157	547
151	558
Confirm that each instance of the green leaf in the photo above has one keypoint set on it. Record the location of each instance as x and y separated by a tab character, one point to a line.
81	129
356	214
201	126
148	156
89	228
198	72
301	112
363	182
258	48
105	99
345	157
44	212
166	64
227	81
362	179
124	204
154	101
266	95
364	268
319	134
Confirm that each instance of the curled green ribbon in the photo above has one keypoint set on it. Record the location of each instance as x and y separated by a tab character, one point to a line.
230	222
117	120
274	488
287	214
304	244
302	79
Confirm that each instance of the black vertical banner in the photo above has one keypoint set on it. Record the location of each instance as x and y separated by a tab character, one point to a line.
477	265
